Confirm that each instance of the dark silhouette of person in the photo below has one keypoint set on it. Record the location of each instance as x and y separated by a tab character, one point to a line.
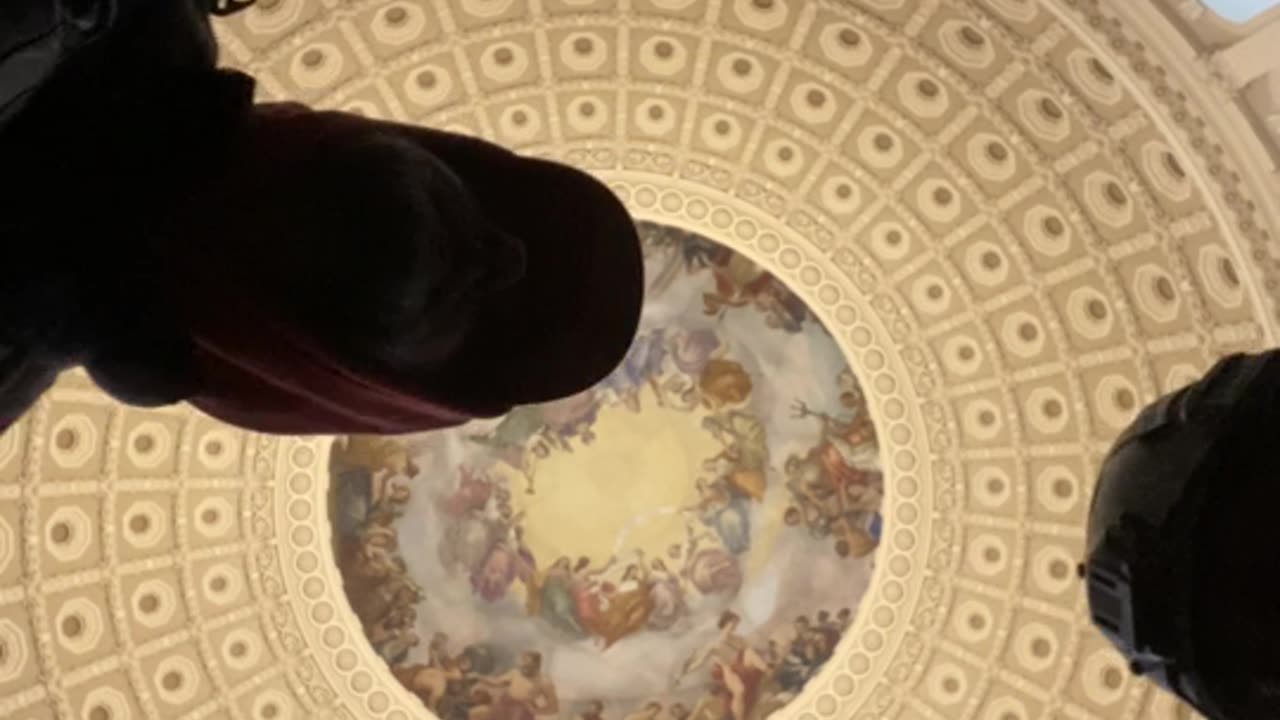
283	269
1180	574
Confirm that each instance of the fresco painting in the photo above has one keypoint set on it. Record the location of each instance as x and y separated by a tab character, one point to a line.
688	539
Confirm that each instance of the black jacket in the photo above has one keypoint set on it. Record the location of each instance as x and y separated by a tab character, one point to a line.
95	95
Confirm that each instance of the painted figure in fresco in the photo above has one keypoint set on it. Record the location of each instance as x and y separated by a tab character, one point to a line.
744	462
848	450
472	495
782	308
828	628
507	561
466	542
723	383
550	596
668	591
594	710
853	534
686	254
517	441
736	669
363	469
514	430
710	569
571	418
836	487
737	282
650	711
625	607
584	586
678	711
691	350
374	601
803	657
726	512
471	538
856	533
393	637
522	694
526	434
641	368
431	681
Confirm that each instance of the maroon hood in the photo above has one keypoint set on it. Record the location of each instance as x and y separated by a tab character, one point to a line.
556	331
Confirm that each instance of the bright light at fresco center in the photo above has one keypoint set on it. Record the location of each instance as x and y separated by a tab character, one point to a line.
691	536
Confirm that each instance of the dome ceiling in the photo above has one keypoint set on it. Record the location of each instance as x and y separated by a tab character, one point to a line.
725	478
1017	220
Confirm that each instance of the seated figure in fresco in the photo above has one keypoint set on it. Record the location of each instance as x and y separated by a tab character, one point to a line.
669	596
584	588
624	608
549	595
605	610
282	269
521	694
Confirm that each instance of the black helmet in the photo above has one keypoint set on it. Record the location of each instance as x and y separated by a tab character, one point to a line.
1156	488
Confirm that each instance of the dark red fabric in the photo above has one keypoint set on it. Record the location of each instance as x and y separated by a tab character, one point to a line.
264	376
